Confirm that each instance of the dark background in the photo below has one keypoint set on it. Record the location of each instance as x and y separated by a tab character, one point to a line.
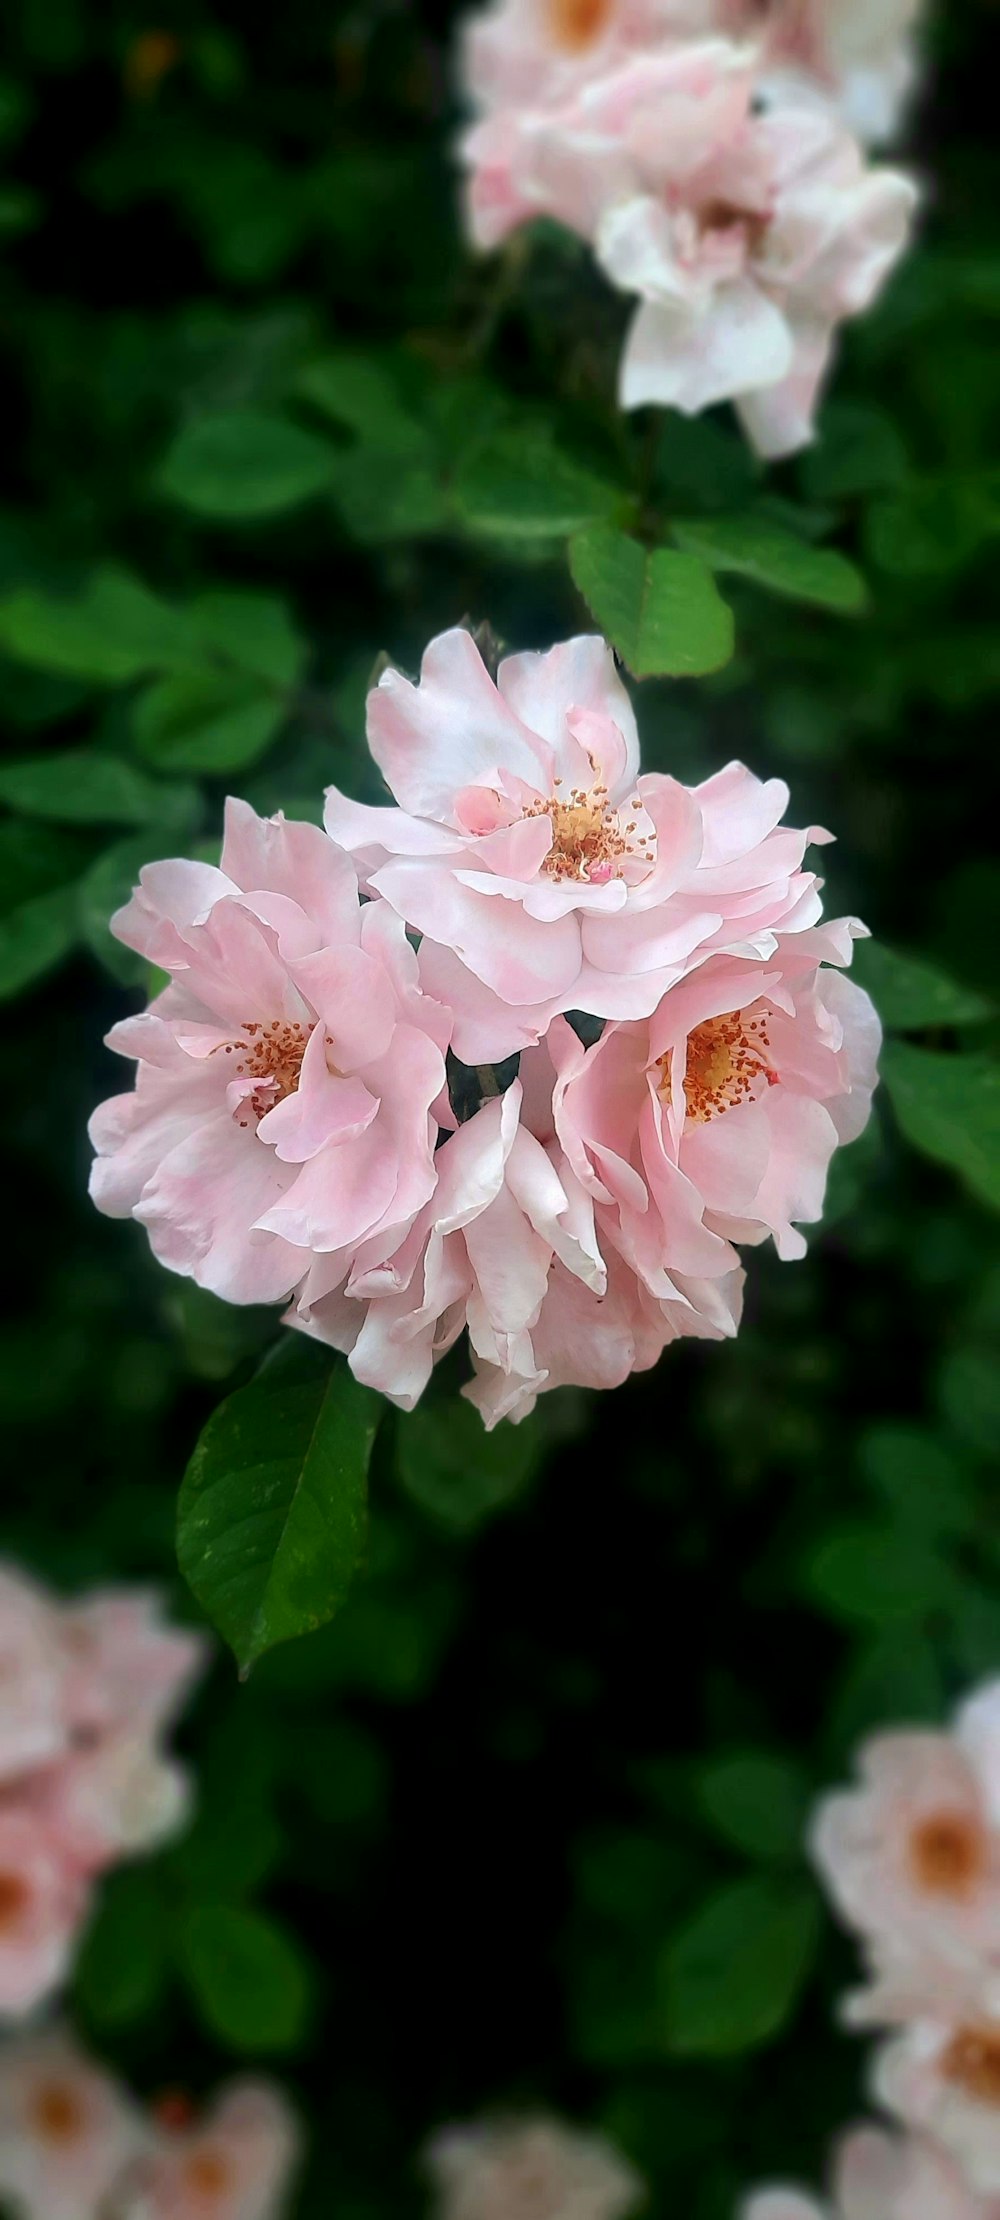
481	1811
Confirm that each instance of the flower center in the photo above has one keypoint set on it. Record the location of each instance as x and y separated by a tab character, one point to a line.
575	24
589	840
271	1056
972	2062
57	2113
207	2174
726	1065
947	1854
14	1894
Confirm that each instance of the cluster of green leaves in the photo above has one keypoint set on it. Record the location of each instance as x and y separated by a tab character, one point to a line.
557	1706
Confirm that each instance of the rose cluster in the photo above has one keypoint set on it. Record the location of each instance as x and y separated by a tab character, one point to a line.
87	1690
74	2145
529	2170
911	1857
711	154
529	1052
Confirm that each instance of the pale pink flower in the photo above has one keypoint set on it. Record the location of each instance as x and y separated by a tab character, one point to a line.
111	1800
880	2177
236	2164
67	2133
126	1665
744	217
943	2077
911	1858
544	871
508	1247
286	1075
43	1900
32	1676
857	55
530	2170
716	1119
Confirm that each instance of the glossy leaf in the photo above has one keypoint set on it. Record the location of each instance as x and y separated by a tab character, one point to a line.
271	1519
911	994
249	1978
949	1106
753	547
662	611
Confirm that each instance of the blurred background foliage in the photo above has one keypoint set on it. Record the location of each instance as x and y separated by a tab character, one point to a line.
525	1823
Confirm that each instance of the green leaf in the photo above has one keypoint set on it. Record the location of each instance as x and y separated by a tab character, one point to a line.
949	1106
932	526
244	465
859	450
457	1473
662	611
271	1517
114	631
248	1977
79	786
221	721
921	1481
359	392
755	548
517	485
757	1802
34	937
910	994
877	1575
124	1965
383	496
732	1975
254	632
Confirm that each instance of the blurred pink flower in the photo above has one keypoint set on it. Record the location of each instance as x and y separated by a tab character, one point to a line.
43	1900
529	2170
235	2164
545	873
103	1677
878	2176
716	1119
744	217
286	1075
856	55
911	1858
943	2078
67	2133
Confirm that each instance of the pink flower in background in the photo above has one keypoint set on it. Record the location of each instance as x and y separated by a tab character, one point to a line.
544	872
857	56
529	2170
73	2145
911	1858
716	1119
743	216
67	2132
943	2077
44	1898
880	2177
234	2164
106	1676
286	1076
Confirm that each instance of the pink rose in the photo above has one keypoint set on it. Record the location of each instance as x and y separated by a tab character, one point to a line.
286	1075
943	2077
236	2164
529	2170
67	2134
508	1247
43	1900
912	1860
545	873
743	215
32	1676
715	1120
880	2177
